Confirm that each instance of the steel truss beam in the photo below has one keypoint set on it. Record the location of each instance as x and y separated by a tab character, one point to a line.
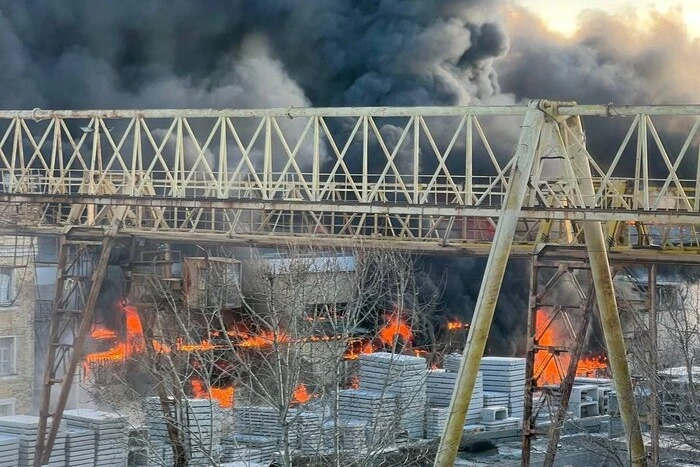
437	175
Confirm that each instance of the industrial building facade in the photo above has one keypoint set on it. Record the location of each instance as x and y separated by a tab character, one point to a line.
17	298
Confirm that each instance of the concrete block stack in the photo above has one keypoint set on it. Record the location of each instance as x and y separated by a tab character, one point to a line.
258	434
506	375
496	418
451	362
309	427
247	449
80	447
375	410
25	428
9	451
605	387
160	450
351	435
111	434
435	420
405	377
198	430
439	387
583	401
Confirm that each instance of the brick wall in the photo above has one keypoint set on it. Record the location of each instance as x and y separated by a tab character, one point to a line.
17	319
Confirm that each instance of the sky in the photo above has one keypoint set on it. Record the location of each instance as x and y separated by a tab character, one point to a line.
561	15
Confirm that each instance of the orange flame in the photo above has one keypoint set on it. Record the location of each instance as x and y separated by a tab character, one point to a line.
101	332
201	347
358	347
224	396
266	339
301	395
456	325
115	354
394	328
549	370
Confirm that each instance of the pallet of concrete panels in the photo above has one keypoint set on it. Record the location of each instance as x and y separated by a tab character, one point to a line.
377	410
111	434
351	436
507	375
263	421
401	375
9	451
159	447
198	427
439	387
80	447
26	428
451	362
248	449
309	429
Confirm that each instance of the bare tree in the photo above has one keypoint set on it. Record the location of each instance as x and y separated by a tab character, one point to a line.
281	332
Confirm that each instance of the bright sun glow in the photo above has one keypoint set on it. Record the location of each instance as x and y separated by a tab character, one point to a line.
561	15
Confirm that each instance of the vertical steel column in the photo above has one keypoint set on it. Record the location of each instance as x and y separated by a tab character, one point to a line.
654	403
43	449
491	285
530	383
605	294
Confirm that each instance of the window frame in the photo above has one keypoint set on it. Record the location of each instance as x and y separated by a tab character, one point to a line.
11	291
14	357
12	402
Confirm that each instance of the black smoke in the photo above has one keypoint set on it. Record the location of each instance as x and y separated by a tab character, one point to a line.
238	53
279	53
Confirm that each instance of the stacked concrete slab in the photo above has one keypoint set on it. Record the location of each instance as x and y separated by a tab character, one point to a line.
160	449
506	375
310	432
439	387
377	411
25	428
111	434
198	428
258	435
351	436
9	451
405	377
80	447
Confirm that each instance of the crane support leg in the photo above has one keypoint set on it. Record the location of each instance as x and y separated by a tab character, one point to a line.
574	141
45	441
491	286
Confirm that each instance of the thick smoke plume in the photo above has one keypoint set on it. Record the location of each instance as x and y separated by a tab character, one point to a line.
276	53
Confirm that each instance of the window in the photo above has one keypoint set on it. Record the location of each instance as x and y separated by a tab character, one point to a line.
7	286
7	356
7	407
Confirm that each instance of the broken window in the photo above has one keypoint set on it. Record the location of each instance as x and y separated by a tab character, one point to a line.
7	356
7	286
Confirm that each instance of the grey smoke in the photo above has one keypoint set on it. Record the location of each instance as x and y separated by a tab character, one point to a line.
277	53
